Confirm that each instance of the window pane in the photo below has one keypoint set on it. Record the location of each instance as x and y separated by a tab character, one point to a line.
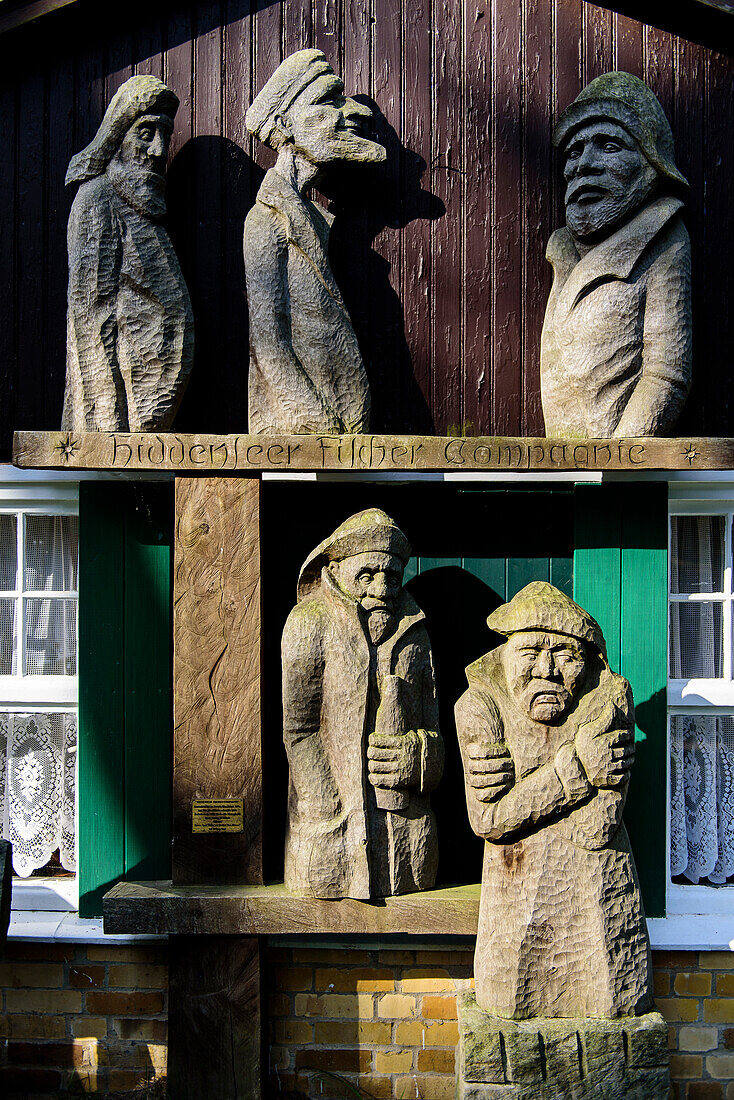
697	554
7	638
50	637
8	553
696	640
702	798
51	551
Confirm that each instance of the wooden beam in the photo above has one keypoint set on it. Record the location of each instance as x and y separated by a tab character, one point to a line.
158	907
13	14
215	1025
227	454
217	638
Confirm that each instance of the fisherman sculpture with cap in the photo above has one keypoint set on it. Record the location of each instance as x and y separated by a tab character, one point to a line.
616	342
546	736
130	328
306	369
360	720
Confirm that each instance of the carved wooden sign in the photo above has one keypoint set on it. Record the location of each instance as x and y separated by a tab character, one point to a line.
255	453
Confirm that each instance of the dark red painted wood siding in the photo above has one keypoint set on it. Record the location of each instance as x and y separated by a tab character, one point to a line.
441	259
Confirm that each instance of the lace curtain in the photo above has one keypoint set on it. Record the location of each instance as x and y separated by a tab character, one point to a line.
37	787
702	797
696	566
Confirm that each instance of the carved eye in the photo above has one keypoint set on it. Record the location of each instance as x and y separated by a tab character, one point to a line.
612	146
146	133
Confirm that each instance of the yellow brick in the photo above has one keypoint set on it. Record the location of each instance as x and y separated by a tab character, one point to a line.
354	1006
720	1065
676	1009
358	980
661	983
19	975
437	1087
715	1011
89	1027
429	980
717	960
696	984
685	1066
439	1008
672	1038
53	1001
698	1038
294	978
293	1031
323	957
363	1032
32	1027
437	1061
138	977
442	1033
725	985
411	1033
85	1080
396	958
395	1006
445	958
144	955
393	1061
377	1088
158	1058
279	1004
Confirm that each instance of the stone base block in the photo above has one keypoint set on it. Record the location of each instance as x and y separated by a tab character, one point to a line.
561	1059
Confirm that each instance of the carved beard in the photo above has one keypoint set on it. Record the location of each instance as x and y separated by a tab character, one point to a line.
380	625
140	188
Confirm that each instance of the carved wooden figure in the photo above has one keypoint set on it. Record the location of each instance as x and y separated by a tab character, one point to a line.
616	342
306	369
360	720
130	328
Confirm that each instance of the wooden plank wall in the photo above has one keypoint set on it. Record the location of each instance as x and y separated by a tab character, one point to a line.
441	259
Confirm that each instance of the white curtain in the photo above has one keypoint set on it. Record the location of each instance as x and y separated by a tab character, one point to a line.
696	567
37	787
702	797
51	552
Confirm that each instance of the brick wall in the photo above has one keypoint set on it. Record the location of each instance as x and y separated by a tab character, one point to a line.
80	1019
92	1019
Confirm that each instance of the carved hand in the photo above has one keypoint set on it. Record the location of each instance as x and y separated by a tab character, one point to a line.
606	755
394	759
490	769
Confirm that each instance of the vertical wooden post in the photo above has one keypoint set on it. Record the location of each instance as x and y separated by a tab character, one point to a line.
215	1036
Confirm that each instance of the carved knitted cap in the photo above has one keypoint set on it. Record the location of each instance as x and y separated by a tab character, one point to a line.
626	100
372	530
542	606
285	85
140	95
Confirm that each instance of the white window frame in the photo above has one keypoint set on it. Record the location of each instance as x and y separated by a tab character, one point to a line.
702	696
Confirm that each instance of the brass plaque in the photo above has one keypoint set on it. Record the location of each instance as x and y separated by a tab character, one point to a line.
217	815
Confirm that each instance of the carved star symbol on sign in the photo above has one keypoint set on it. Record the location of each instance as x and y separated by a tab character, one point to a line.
690	454
67	447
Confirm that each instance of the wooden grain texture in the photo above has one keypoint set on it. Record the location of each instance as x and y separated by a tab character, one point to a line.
216	675
447	280
215	1039
158	907
254	453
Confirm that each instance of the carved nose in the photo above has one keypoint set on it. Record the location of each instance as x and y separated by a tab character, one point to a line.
157	147
544	666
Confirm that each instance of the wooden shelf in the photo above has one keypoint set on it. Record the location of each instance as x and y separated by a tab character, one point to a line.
159	907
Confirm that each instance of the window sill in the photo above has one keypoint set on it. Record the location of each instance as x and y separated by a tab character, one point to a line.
56	895
49	927
692	932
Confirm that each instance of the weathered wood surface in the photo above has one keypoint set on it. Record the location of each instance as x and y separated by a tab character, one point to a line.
215	1032
254	453
442	266
216	675
159	907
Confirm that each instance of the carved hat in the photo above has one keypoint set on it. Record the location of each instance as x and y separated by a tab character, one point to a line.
372	529
285	85
542	606
626	100
140	95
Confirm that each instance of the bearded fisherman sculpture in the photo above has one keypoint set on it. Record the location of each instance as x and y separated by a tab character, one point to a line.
306	369
360	720
562	962
615	354
130	328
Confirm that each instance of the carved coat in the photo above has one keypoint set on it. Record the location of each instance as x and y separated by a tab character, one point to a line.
561	927
338	843
306	370
615	354
130	327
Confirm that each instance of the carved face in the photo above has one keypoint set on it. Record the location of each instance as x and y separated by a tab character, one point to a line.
607	179
145	145
326	126
544	672
372	579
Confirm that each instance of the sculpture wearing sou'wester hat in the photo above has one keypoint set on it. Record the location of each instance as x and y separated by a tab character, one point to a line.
616	342
306	370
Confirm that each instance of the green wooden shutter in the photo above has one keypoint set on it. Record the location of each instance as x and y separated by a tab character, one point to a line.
125	716
621	576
